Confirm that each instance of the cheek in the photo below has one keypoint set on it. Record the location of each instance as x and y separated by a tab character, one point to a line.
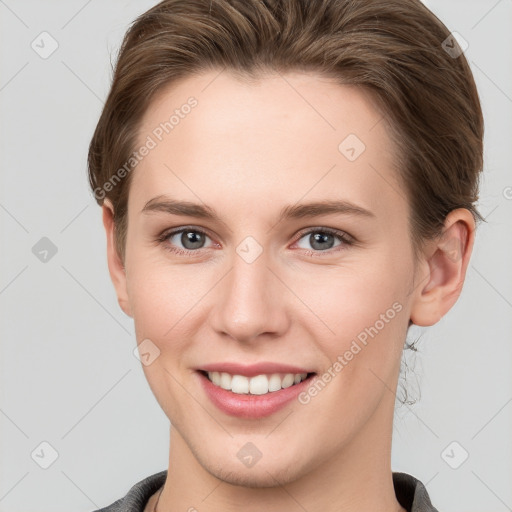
166	302
367	315
155	291
159	308
362	329
162	313
345	302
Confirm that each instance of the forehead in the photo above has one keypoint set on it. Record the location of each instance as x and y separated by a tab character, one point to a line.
278	137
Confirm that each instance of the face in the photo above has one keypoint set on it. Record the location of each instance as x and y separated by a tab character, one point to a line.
264	278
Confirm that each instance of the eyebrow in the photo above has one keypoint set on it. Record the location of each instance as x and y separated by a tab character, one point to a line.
171	206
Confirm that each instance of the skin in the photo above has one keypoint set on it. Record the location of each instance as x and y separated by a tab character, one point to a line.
247	150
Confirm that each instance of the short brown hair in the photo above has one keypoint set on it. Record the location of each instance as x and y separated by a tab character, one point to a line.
392	48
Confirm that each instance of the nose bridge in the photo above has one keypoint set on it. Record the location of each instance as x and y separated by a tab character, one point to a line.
248	304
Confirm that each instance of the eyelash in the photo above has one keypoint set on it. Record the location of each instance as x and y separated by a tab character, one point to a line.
346	240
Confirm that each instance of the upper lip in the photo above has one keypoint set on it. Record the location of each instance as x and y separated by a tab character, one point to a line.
251	370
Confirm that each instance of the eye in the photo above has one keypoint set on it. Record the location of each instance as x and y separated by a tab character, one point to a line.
191	240
323	240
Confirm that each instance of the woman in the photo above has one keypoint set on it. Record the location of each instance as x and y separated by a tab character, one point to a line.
239	137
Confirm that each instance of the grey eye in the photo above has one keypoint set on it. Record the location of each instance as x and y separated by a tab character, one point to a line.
190	239
320	240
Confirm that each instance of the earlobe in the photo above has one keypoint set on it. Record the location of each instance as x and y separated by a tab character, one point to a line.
441	275
115	264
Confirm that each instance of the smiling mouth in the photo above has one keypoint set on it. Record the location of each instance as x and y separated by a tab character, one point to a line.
258	385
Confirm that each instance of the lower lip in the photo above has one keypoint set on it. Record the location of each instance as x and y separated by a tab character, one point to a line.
252	406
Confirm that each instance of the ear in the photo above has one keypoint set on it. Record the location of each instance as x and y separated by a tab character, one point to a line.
440	276
115	264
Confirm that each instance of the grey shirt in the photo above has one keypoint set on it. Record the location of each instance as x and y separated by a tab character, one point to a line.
410	493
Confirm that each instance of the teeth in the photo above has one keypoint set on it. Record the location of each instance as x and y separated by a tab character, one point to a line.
258	385
240	384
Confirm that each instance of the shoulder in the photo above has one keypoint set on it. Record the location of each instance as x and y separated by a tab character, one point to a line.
411	493
138	495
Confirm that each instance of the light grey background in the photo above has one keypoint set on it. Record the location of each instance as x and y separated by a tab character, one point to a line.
68	374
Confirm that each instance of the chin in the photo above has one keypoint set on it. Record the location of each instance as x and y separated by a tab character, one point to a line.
253	478
263	474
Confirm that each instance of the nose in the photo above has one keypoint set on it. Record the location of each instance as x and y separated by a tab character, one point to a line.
250	302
